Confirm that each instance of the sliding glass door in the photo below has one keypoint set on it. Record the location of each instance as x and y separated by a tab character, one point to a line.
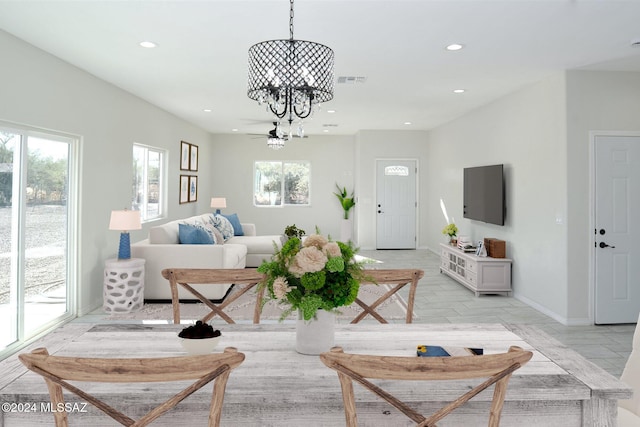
36	284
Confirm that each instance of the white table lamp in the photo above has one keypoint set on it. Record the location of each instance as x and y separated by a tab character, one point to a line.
218	203
124	221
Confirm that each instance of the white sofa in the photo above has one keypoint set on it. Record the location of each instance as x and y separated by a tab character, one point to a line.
629	410
163	250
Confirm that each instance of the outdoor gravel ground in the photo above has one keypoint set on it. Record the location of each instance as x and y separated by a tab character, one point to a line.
45	235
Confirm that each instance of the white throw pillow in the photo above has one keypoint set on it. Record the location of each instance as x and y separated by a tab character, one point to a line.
223	225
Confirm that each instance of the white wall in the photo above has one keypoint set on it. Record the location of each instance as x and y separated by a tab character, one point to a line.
526	132
40	90
332	161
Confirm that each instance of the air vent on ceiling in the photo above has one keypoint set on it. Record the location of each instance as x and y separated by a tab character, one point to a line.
351	79
330	125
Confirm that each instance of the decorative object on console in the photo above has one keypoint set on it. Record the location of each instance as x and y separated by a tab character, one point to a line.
218	203
452	231
290	76
496	248
465	244
124	221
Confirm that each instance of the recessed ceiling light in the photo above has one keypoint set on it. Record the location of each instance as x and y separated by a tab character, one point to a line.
325	130
454	46
459	90
148	44
234	130
407	123
331	111
207	110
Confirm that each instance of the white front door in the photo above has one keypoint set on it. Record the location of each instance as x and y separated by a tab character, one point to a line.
617	232
396	204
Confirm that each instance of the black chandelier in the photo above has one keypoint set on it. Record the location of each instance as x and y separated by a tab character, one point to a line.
291	76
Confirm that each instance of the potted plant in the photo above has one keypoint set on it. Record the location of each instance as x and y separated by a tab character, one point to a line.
452	231
313	277
346	201
293	231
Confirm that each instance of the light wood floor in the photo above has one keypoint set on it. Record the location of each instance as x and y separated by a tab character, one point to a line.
440	299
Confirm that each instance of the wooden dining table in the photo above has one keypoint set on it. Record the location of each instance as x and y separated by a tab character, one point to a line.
275	386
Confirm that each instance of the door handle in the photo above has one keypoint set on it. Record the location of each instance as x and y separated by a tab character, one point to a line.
604	245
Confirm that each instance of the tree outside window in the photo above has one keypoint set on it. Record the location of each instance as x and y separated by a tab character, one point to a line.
282	183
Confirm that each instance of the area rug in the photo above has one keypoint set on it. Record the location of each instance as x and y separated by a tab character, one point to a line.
241	310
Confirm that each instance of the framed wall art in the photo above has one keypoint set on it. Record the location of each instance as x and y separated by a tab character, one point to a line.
185	155
193	188
193	158
184	189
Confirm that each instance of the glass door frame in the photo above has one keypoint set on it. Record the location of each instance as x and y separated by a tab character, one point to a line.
18	221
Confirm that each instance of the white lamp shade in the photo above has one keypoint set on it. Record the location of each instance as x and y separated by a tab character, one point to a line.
125	220
218	202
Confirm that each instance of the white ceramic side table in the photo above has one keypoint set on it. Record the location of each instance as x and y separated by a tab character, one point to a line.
123	285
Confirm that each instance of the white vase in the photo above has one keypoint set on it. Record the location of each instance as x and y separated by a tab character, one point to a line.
316	335
346	230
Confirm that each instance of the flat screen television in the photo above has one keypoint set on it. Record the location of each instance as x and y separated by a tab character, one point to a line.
483	194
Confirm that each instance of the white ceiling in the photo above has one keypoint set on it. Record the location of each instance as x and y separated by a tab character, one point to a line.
399	46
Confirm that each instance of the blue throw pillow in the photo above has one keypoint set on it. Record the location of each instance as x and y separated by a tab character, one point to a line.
194	235
235	223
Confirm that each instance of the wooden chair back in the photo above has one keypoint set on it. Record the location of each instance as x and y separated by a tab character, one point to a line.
399	278
244	278
58	370
248	278
497	368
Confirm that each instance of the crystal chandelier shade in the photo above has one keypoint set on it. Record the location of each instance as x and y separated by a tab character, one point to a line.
290	76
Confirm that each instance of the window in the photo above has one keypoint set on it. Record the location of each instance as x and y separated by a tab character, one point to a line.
148	190
281	183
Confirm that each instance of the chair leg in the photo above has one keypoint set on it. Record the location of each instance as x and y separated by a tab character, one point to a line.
57	400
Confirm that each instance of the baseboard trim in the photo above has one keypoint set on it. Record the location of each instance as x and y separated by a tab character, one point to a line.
555	316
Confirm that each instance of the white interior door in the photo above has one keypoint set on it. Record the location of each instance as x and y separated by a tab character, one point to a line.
396	204
617	220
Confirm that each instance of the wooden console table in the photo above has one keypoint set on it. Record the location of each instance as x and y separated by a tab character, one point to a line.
248	278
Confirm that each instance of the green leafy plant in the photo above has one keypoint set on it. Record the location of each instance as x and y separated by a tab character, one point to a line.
293	231
346	201
315	274
451	230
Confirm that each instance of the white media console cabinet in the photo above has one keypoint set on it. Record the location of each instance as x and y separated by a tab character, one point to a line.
483	275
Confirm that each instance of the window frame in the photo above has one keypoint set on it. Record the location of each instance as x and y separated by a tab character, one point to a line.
143	204
283	170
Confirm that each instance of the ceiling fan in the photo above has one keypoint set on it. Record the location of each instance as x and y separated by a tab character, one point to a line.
277	132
